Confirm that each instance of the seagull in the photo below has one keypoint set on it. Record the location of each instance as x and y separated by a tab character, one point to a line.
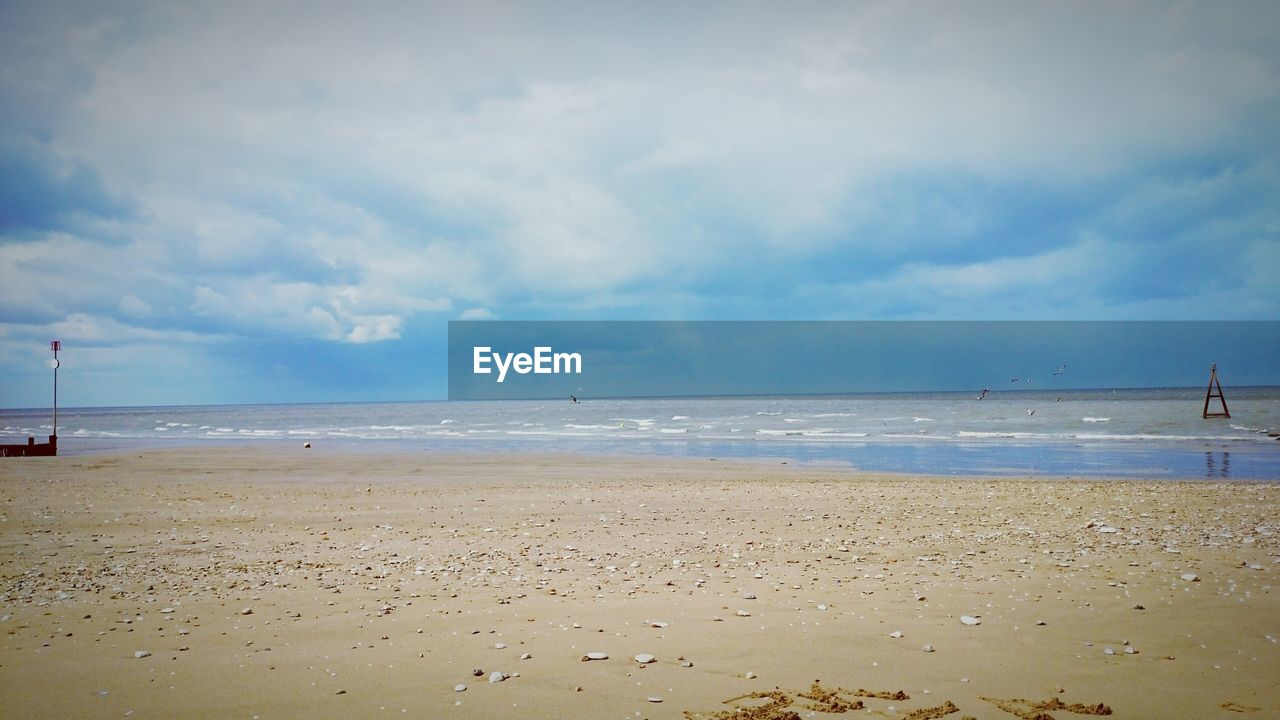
984	393
1031	412
574	399
1016	379
1059	370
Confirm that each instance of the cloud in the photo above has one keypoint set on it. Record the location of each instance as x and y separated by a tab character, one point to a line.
42	190
321	173
478	313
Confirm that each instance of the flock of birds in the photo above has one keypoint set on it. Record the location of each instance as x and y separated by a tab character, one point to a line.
1030	411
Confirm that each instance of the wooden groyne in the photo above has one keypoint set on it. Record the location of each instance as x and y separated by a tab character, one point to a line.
31	448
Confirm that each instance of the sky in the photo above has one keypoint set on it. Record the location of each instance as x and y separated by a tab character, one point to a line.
287	202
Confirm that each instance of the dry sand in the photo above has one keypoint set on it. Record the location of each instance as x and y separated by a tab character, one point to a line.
249	583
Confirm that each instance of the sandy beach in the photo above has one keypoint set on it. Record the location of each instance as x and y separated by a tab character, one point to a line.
255	583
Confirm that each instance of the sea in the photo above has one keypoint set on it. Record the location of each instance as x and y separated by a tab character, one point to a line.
1122	433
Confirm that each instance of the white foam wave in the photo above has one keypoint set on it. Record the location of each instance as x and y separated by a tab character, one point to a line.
1095	419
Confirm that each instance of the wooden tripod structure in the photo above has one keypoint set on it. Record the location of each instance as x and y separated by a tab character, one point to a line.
1214	391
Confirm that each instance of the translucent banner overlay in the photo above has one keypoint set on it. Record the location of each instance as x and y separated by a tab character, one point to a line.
525	360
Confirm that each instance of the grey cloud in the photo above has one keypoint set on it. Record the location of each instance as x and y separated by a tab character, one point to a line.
40	189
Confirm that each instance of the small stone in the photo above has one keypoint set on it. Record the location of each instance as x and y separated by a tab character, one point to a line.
247	611
1131	651
645	658
497	676
1108	651
750	675
1041	622
970	620
459	687
167	610
743	613
1139	607
595	656
822	607
926	648
748	596
686	663
499	646
655	699
477	672
525	656
141	653
657	624
895	634
1191	577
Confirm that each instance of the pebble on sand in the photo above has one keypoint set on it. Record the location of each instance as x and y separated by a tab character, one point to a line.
750	675
895	634
1191	577
497	676
970	620
595	656
459	687
927	648
247	611
645	658
142	653
743	613
655	699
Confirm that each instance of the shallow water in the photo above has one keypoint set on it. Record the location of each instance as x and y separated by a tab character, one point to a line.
1106	433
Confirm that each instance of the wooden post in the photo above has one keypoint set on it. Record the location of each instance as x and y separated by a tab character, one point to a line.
1210	393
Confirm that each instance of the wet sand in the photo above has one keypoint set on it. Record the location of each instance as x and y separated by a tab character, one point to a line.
248	583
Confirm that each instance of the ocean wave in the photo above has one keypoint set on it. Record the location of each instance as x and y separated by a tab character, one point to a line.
1095	419
1010	434
1165	438
828	434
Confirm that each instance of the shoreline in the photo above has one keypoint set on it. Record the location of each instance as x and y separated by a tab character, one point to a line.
1253	461
375	583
